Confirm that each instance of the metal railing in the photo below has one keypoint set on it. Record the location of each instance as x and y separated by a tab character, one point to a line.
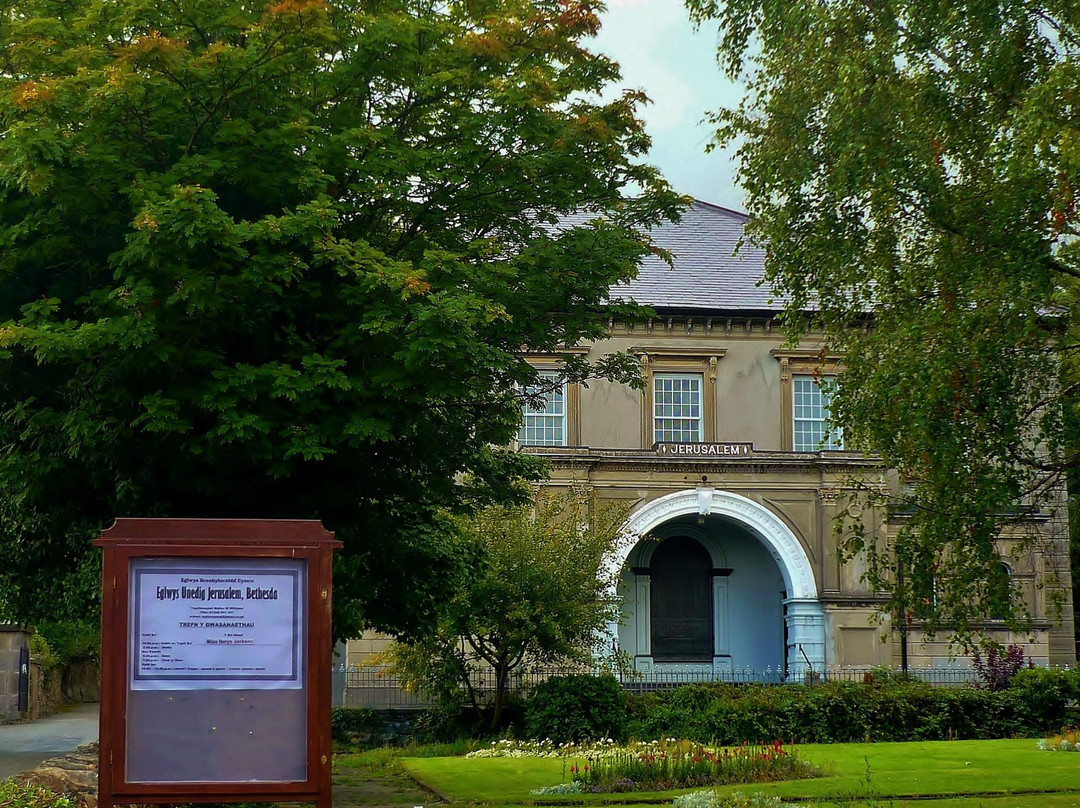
378	688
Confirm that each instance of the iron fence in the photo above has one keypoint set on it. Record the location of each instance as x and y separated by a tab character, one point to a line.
377	687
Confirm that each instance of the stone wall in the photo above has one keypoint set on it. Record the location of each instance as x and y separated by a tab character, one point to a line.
45	695
12	640
80	681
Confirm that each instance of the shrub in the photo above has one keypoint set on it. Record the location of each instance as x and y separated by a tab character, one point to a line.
43	653
13	795
574	708
710	799
1047	692
559	790
999	667
357	726
696	799
446	721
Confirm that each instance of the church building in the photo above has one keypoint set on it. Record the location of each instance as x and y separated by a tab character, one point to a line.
733	479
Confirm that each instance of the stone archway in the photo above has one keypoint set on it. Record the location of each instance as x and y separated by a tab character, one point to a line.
804	617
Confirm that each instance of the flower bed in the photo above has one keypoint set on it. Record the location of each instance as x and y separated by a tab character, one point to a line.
1068	740
608	767
710	799
667	764
542	749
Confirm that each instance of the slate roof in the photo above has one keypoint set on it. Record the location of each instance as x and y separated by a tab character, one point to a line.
707	275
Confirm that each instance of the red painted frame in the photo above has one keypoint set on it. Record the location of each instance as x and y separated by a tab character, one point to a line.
213	538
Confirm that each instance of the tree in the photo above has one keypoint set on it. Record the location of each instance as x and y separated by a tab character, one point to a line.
284	260
539	592
920	161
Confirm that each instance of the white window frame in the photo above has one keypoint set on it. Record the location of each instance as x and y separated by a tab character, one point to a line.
657	379
832	438
542	419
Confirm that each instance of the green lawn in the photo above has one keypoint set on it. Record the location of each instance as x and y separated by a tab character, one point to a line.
896	770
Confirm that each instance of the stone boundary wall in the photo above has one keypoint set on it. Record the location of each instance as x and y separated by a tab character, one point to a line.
44	695
13	639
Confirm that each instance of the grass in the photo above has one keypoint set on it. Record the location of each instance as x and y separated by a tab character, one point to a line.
992	772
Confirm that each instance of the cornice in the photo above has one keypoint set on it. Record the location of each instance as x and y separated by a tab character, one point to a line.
865	600
757	462
807	355
575	350
694	325
670	352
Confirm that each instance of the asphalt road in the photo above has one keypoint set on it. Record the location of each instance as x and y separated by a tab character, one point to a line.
24	746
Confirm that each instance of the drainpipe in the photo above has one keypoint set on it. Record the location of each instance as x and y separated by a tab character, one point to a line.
903	619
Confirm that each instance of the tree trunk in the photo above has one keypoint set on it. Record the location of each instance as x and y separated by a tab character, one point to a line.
502	671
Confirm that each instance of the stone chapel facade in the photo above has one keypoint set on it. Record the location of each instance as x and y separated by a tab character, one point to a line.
728	465
733	480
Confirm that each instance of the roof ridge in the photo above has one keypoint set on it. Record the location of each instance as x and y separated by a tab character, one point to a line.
714	206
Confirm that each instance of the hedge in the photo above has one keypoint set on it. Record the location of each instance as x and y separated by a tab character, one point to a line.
1038	701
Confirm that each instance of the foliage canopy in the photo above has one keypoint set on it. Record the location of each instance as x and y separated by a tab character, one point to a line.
283	260
920	160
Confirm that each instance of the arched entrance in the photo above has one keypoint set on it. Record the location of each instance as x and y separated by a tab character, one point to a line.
745	570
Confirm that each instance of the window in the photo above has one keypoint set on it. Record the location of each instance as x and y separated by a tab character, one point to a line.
810	417
544	420
677	407
804	406
679	401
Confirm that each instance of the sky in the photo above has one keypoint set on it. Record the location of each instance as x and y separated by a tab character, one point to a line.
660	52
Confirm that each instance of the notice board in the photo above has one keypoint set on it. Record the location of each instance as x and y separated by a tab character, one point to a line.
216	652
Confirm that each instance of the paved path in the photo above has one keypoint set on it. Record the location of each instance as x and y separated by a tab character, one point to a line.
24	746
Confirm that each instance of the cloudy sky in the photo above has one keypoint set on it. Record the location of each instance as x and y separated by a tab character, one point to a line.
661	53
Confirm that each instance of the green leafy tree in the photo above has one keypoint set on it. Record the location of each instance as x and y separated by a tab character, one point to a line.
920	160
283	260
539	593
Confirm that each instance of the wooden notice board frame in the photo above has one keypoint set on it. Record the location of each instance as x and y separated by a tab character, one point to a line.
227	540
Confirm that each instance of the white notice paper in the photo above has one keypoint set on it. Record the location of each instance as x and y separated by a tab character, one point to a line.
199	625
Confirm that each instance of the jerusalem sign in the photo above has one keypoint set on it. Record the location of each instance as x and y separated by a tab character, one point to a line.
704	449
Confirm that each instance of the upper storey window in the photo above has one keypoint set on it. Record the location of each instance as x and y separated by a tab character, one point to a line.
810	416
544	420
678	407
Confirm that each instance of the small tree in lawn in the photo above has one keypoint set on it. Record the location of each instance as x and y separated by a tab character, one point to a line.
539	592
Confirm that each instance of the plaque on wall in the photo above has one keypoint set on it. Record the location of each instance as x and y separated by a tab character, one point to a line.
704	449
